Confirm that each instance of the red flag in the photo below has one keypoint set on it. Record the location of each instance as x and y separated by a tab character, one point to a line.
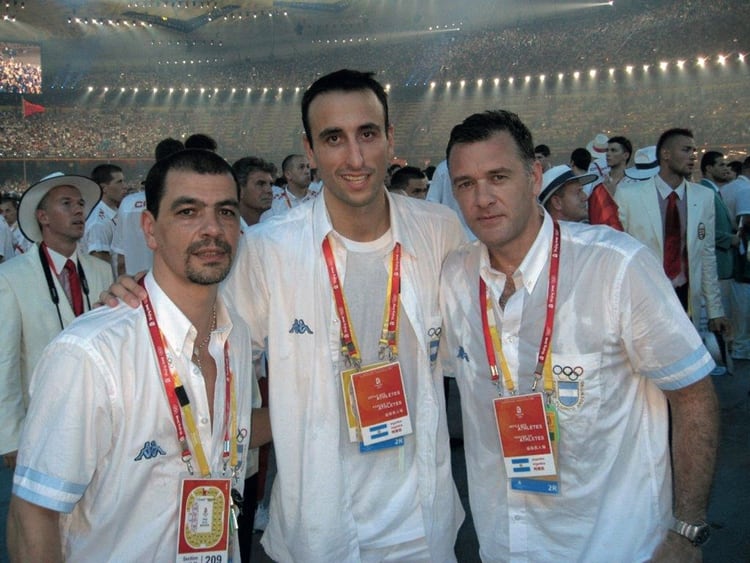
31	109
603	209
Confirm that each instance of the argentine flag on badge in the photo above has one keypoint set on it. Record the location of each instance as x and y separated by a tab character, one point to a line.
569	393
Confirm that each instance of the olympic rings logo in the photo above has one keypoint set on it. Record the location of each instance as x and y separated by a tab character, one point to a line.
435	332
572	373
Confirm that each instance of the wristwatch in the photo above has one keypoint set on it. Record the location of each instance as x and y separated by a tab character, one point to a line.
698	533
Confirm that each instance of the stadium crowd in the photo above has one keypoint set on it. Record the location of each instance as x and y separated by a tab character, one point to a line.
552	45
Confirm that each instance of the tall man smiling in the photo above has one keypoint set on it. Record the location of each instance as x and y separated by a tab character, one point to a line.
336	499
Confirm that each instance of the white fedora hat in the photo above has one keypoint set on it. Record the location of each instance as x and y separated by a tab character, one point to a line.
557	176
597	147
645	165
90	192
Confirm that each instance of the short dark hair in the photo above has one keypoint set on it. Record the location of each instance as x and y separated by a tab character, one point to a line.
625	143
249	164
543	150
343	80
201	141
401	177
200	161
736	167
9	198
286	164
709	159
482	126
670	134
102	174
581	158
167	146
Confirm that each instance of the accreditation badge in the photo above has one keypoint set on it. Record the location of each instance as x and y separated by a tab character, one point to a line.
380	404
204	520
524	432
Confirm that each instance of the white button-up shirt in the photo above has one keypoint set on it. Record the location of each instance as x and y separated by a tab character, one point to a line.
280	283
620	335
99	444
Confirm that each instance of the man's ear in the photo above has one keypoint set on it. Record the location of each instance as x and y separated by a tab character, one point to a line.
148	222
309	151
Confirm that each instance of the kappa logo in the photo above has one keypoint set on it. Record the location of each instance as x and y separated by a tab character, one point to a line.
150	450
300	327
462	355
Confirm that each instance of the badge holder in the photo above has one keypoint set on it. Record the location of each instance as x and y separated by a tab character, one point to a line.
204	534
529	437
376	403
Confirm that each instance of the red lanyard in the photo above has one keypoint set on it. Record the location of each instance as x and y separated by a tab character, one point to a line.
492	340
179	403
389	337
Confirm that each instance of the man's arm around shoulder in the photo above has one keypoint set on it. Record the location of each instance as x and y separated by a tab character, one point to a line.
33	533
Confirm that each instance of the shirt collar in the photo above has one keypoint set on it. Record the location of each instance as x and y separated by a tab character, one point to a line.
59	260
532	266
322	225
179	333
665	189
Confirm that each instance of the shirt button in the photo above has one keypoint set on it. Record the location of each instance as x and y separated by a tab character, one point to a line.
509	339
517	517
204	420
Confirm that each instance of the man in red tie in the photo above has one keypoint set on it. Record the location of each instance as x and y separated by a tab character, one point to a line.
676	219
39	294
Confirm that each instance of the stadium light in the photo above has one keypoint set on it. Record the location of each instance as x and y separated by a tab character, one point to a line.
741	57
576	75
171	90
91	88
496	81
186	90
645	68
542	78
480	82
448	84
611	72
462	83
663	65
629	69
122	89
510	80
701	61
135	90
592	73
680	64
527	79
722	59
560	76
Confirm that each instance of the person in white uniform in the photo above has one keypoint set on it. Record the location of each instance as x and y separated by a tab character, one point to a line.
565	374
141	418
